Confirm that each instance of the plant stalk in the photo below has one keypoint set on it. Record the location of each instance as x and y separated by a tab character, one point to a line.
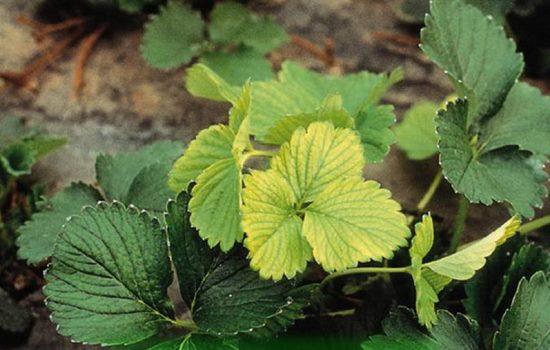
363	270
430	192
534	225
460	223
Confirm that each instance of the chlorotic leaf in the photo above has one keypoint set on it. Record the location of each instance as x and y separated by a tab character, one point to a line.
98	294
474	52
402	333
116	173
215	285
210	146
416	134
526	323
463	264
215	205
298	90
173	36
330	110
274	239
232	23
201	81
37	237
353	221
318	156
236	67
373	124
426	282
484	175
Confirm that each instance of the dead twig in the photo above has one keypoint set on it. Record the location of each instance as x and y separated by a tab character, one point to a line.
325	55
84	51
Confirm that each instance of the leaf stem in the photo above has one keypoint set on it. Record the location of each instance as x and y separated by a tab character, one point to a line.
363	270
261	153
430	192
460	223
186	324
535	224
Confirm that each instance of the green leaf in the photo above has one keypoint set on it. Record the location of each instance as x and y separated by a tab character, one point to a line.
494	8
43	145
109	276
17	159
528	260
330	110
223	294
149	190
134	6
525	325
13	317
236	67
354	221
37	237
483	288
299	90
480	61
116	173
173	37
231	23
463	264
402	333
373	124
416	134
274	239
315	158
205	342
483	175
522	121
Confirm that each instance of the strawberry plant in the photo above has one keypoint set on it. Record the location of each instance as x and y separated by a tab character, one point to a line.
272	225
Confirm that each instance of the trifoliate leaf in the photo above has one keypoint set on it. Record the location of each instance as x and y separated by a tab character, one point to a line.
522	121
17	159
13	317
330	110
173	36
299	90
484	287
210	145
215	205
232	23
463	264
528	260
525	325
482	175
274	238
373	124
99	294
115	173
315	158
223	294
202	81
353	221
416	134
37	237
149	190
481	62
402	333
236	67
214	159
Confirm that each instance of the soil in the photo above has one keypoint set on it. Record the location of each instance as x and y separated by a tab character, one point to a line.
125	104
